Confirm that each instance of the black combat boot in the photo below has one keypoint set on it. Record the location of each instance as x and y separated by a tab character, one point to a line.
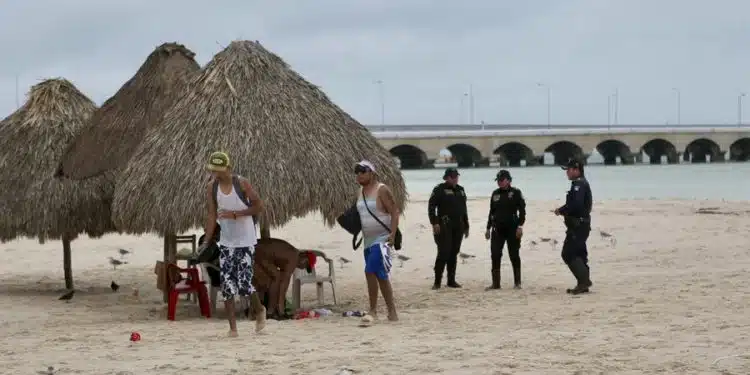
452	275
517	276
581	272
495	280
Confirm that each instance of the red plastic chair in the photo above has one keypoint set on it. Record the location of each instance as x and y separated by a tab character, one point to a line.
190	284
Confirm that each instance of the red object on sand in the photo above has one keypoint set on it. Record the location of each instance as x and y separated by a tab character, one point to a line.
135	336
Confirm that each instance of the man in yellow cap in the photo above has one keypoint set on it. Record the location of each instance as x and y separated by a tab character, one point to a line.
233	202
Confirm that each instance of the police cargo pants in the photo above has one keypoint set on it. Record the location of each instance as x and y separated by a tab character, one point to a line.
448	246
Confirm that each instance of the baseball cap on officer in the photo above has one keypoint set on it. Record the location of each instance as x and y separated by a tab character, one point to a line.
218	162
451	172
503	175
573	163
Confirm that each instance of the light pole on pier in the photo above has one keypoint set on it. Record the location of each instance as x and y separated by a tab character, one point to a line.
616	104
549	103
739	108
381	95
679	105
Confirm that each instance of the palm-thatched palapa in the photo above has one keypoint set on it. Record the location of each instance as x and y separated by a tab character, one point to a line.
296	147
116	129
35	204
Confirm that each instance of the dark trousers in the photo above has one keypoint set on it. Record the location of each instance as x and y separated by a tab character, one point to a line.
448	246
501	236
575	253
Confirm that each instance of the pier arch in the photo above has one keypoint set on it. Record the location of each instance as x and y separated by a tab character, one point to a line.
512	153
740	150
411	157
611	149
564	151
703	150
465	155
658	147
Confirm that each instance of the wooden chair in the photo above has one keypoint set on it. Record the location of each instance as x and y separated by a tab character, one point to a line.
186	239
302	277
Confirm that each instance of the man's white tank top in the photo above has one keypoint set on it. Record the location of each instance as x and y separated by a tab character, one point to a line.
238	232
372	230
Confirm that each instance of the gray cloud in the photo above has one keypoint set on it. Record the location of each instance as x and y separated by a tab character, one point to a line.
427	52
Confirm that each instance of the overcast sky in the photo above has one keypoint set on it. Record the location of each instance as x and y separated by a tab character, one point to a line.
426	52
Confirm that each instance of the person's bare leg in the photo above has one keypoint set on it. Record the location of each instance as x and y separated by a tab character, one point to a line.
260	312
229	306
387	290
285	279
372	292
273	297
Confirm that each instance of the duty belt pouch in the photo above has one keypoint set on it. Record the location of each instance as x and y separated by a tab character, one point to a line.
572	222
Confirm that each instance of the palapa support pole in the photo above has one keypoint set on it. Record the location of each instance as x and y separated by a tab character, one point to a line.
170	257
67	264
264	231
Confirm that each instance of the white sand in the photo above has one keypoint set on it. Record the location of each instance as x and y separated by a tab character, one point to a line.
669	298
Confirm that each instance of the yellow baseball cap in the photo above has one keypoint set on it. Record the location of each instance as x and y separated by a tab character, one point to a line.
218	162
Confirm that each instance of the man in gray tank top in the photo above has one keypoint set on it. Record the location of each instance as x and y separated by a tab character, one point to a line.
233	201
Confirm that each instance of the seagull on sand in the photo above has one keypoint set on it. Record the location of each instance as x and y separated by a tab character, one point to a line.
114	286
115	262
50	371
465	256
343	261
123	252
402	258
612	239
67	296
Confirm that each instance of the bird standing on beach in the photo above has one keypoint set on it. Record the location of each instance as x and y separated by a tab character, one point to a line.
115	262
123	252
343	261
67	296
604	234
50	371
402	258
114	286
465	256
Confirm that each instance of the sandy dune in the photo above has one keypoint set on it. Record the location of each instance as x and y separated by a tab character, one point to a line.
669	298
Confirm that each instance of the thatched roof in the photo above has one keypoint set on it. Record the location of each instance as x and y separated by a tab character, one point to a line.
294	145
32	139
116	129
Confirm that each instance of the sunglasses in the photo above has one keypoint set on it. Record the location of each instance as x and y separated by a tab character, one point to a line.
360	169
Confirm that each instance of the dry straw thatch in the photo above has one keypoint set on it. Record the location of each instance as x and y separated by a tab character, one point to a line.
35	204
116	129
294	145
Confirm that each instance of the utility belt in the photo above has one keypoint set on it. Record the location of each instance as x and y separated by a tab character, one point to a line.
447	220
572	222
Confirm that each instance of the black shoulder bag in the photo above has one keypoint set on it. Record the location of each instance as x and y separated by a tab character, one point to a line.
397	237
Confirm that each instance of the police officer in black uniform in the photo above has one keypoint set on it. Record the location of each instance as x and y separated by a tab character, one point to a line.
577	215
505	224
450	223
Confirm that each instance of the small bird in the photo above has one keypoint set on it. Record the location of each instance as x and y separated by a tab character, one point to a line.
402	258
343	261
115	262
532	243
345	371
50	371
114	286
612	239
465	256
67	296
545	239
123	252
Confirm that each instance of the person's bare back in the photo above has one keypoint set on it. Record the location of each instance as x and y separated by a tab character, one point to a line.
275	262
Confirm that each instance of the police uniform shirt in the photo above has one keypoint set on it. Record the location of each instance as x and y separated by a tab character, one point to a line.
507	208
578	201
447	200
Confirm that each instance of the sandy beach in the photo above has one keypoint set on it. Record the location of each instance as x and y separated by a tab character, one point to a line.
670	297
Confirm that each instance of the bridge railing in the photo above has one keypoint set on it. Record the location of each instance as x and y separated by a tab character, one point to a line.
473	127
556	131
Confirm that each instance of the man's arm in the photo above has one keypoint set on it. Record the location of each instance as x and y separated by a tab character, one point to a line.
210	214
389	204
465	217
432	205
491	213
575	201
521	209
252	196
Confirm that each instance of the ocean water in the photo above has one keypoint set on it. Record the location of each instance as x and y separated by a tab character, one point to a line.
722	181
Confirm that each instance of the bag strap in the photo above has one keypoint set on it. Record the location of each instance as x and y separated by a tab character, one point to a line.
240	191
364	201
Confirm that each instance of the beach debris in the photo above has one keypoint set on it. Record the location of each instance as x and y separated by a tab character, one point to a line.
402	258
114	286
465	256
743	356
366	320
49	371
116	262
345	371
67	296
123	252
608	236
343	261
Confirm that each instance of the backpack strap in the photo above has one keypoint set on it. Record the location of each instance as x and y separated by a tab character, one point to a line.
215	190
240	191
